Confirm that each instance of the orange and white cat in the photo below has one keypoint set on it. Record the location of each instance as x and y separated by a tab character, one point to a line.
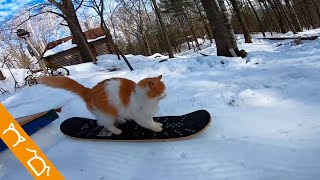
114	100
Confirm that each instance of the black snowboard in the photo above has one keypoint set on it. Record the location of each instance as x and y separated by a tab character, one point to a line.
174	127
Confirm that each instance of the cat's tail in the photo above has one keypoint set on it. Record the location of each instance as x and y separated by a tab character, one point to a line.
64	83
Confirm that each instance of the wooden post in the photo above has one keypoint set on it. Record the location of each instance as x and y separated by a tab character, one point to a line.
2	76
37	55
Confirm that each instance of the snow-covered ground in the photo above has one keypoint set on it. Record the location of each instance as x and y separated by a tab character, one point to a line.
266	117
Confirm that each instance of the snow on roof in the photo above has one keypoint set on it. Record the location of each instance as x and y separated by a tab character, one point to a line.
59	48
96	39
64	44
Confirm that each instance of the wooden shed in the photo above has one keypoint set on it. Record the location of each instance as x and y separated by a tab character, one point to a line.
63	52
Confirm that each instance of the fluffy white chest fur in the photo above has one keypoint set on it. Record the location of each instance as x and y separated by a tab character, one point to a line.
140	105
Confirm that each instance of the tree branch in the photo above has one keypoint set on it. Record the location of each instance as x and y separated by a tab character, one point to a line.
58	5
30	16
80	4
58	14
64	24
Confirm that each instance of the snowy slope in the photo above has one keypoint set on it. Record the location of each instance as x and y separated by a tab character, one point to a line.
265	117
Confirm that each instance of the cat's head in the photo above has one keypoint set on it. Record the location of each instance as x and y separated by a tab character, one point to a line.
154	86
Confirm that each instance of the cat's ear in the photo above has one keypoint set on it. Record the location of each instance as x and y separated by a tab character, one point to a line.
159	77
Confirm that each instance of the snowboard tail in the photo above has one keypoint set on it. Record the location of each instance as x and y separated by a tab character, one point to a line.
174	128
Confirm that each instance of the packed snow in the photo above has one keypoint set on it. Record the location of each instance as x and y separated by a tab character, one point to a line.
265	113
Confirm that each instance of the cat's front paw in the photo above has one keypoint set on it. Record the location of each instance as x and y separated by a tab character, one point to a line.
159	124
114	130
121	121
157	127
117	131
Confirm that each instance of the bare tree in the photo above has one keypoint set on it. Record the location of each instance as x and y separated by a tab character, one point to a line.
136	12
191	28
178	8
99	8
227	24
278	14
242	22
316	6
262	29
312	19
279	4
196	2
69	15
294	16
164	30
13	50
214	16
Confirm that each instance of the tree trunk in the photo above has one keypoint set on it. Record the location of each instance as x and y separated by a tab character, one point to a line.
303	15
128	39
155	41
146	43
278	15
115	34
214	16
141	47
163	29
279	4
294	16
312	20
184	32
244	5
191	28
267	18
82	43
203	21
258	19
77	33
21	55
109	38
242	22
109	47
38	56
228	25
317	8
67	9
107	32
272	19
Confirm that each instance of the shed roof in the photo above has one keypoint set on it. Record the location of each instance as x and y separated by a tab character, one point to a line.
66	42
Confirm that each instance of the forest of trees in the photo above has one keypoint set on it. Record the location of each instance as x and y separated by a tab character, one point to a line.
153	26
